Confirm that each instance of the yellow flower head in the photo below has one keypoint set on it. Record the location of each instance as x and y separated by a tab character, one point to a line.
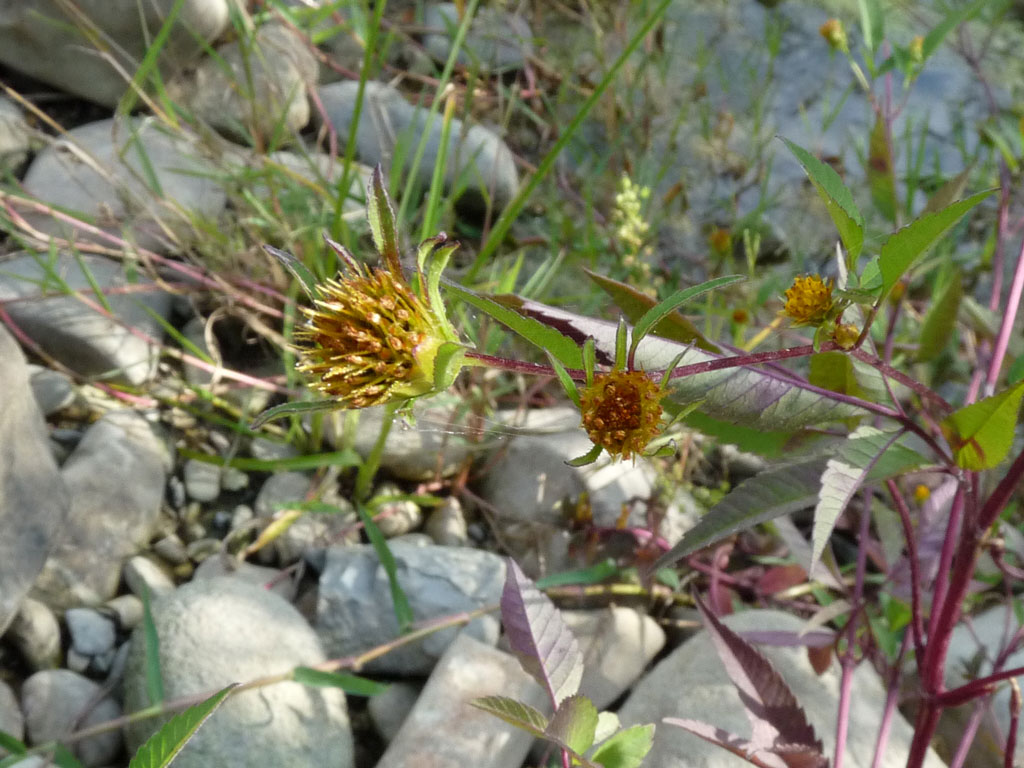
809	300
368	340
621	411
835	35
922	493
846	335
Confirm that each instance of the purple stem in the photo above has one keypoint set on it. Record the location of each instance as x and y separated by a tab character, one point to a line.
916	620
891	697
1006	327
976	688
970	731
946	558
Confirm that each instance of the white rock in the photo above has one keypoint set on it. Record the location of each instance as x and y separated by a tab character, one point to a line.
53	390
15	135
142	575
35	632
127	610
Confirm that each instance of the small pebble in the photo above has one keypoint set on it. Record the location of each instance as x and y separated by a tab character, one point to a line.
446	524
92	633
202	480
281	488
53	390
172	549
141	575
269	450
35	632
200	549
127	610
399	517
233	479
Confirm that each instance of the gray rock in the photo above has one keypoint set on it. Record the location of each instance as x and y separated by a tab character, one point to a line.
355	613
290	176
202	548
399	516
479	164
233	479
444	730
266	449
389	709
617	645
127	610
116	477
497	41
35	632
316	530
11	720
446	524
218	631
143	577
33	499
255	87
691	683
92	634
15	135
102	170
202	480
171	549
53	390
43	40
265	578
54	702
84	340
281	488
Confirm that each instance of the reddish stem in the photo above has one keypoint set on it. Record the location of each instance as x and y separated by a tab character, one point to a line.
916	620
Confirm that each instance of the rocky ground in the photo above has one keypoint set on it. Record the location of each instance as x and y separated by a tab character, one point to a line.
121	483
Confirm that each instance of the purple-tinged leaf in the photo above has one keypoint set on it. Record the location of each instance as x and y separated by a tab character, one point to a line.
513	712
729	741
573	728
540	637
815	638
574	724
779	724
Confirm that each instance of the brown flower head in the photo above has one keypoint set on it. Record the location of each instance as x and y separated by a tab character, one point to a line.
621	411
846	335
835	35
808	300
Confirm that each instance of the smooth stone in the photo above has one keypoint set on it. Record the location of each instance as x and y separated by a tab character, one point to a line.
269	450
53	702
617	645
496	41
52	390
35	632
12	722
202	480
199	550
480	166
144	577
43	40
355	610
34	501
691	683
314	530
444	730
397	517
87	342
259	575
97	170
116	478
171	549
446	524
233	479
254	88
92	634
218	631
389	709
15	135
127	611
280	489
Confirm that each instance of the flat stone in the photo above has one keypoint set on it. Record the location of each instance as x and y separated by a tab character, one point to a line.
127	610
86	341
143	577
12	722
497	41
92	634
171	549
98	171
53	390
479	164
218	631
446	524
444	730
43	40
202	480
399	516
34	501
267	450
691	683
116	477
389	709
54	701
35	632
265	578
355	611
15	135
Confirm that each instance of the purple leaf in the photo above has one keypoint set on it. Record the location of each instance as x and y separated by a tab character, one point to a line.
540	638
729	741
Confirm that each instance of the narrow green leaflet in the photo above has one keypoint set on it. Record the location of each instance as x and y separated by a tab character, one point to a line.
937	328
293	409
403	612
838	200
516	713
163	746
872	24
11	744
381	216
949	192
949	22
982	433
626	749
65	758
306	279
351	684
448	362
154	677
309	461
908	244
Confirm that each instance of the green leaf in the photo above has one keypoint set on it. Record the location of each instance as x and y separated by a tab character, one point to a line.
949	192
516	713
626	749
872	23
448	362
163	746
154	677
764	442
839	372
880	171
11	744
568	385
346	458
588	458
981	434
306	279
838	200
544	336
351	684
289	409
574	724
663	309
906	245
937	328
593	574
65	758
949	22
403	612
634	304
381	216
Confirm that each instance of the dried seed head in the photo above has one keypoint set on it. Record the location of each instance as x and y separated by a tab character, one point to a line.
621	411
809	300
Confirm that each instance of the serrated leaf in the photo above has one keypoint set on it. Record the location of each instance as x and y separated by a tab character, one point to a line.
162	747
626	749
290	409
351	684
607	725
937	328
880	171
306	280
720	737
838	200
950	191
539	636
908	244
516	713
981	434
634	304
381	216
574	724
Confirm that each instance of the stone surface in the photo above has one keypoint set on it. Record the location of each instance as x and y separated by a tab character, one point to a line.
446	524
15	135
355	613
12	722
496	41
398	516
42	40
92	634
144	576
691	683
617	644
217	631
127	611
35	632
53	390
33	500
389	709
281	488
55	700
202	480
116	478
85	340
258	575
101	170
255	86
479	164
444	730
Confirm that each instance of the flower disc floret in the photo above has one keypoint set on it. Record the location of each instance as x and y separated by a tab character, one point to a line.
621	411
808	300
368	340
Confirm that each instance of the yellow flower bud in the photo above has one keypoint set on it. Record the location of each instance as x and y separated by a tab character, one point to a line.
846	335
835	35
